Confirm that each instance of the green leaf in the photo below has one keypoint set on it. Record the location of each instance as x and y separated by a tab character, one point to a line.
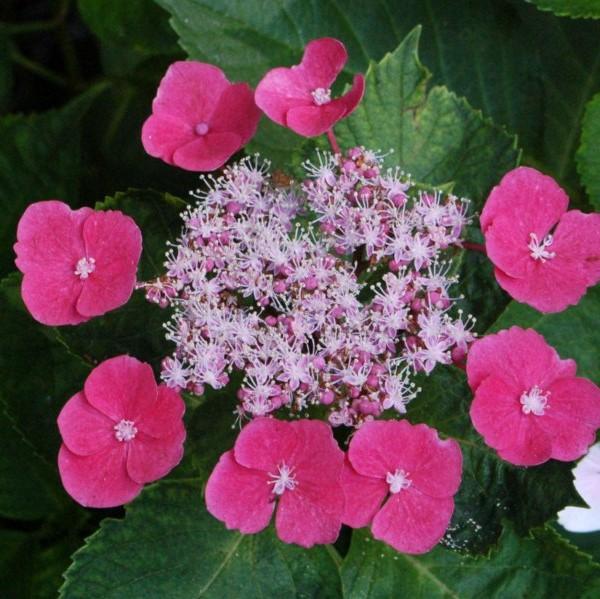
138	25
570	8
137	327
541	566
40	158
588	155
436	136
16	568
574	332
491	489
6	72
169	546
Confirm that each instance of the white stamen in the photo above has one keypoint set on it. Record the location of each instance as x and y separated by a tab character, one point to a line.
125	430
538	250
321	96
398	481
84	267
534	401
283	480
201	128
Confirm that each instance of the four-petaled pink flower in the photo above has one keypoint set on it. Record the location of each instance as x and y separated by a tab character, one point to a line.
401	478
294	465
300	97
543	255
199	119
77	263
529	405
120	432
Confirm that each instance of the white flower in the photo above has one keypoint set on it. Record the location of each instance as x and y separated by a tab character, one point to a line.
587	483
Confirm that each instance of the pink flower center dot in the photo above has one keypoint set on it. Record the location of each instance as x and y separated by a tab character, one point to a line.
321	96
201	128
538	249
398	481
84	267
534	401
284	479
125	430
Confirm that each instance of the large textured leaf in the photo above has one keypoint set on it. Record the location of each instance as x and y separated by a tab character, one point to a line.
436	136
588	155
491	489
40	158
538	567
574	332
169	546
570	8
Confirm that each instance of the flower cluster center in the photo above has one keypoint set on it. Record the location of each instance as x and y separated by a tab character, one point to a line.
84	267
284	479
125	430
539	249
398	481
321	95
535	401
201	128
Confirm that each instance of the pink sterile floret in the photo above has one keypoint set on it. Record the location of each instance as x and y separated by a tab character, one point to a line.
120	432
543	255
77	263
294	465
300	97
529	405
401	478
199	119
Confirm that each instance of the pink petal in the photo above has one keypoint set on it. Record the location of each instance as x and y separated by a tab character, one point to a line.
548	288
114	241
363	497
532	201
149	459
240	497
412	522
85	430
321	460
49	245
509	252
380	448
121	388
189	91
310	121
164	417
236	113
98	480
265	443
572	418
354	95
310	514
521	357
527	444
208	152
322	62
577	240
163	134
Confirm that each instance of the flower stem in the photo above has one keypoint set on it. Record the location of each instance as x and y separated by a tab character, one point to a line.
333	141
476	247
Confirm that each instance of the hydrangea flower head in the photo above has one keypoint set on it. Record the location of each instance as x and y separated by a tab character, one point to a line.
300	97
293	467
529	405
587	483
543	255
401	479
77	264
121	432
199	119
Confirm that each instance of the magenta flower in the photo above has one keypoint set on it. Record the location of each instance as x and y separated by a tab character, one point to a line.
400	479
296	466
199	119
529	405
543	255
300	97
77	263
120	432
